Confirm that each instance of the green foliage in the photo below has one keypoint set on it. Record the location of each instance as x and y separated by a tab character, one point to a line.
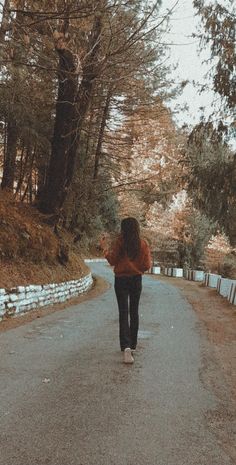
199	231
91	207
96	216
211	176
212	165
219	32
228	267
125	73
219	26
108	210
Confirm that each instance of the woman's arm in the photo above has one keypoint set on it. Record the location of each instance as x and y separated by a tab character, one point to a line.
110	253
147	259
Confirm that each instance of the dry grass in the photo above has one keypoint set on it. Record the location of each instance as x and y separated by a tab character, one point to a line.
29	248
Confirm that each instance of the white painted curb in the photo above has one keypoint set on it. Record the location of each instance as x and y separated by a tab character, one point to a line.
156	270
198	275
178	272
211	280
175	272
232	293
224	287
22	299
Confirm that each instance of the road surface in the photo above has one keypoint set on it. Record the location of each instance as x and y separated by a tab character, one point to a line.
67	398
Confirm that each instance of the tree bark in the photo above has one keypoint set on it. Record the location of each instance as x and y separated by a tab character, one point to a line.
4	26
10	158
232	210
29	185
64	141
22	170
101	134
12	128
90	72
71	109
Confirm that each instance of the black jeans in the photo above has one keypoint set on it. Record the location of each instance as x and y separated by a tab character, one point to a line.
128	290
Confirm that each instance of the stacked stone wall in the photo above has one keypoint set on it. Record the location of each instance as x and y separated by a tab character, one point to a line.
22	299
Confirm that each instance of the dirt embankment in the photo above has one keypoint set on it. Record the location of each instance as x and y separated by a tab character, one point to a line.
30	251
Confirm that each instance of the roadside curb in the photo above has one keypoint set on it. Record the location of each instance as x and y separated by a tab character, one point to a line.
22	299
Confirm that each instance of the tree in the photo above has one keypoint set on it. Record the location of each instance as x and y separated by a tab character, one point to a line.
72	105
147	166
211	177
123	57
11	120
212	163
26	103
192	229
84	68
100	46
219	32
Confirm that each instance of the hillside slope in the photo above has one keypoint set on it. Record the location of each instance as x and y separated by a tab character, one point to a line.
30	252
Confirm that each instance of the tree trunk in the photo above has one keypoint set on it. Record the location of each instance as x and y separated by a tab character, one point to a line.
101	133
64	142
84	95
42	169
12	128
10	158
71	110
28	189
21	173
4	26
232	209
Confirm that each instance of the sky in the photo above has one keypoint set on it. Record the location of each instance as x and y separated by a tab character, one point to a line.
184	53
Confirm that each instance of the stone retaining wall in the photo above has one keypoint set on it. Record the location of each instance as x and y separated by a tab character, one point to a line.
21	299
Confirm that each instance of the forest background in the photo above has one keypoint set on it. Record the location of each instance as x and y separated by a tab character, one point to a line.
87	136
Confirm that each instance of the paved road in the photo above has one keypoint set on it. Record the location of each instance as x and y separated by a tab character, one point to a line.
67	399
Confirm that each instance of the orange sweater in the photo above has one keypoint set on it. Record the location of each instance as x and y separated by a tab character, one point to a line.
123	265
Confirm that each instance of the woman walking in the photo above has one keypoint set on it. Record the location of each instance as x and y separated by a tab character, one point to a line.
130	256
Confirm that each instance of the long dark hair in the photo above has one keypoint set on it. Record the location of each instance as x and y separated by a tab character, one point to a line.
131	237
